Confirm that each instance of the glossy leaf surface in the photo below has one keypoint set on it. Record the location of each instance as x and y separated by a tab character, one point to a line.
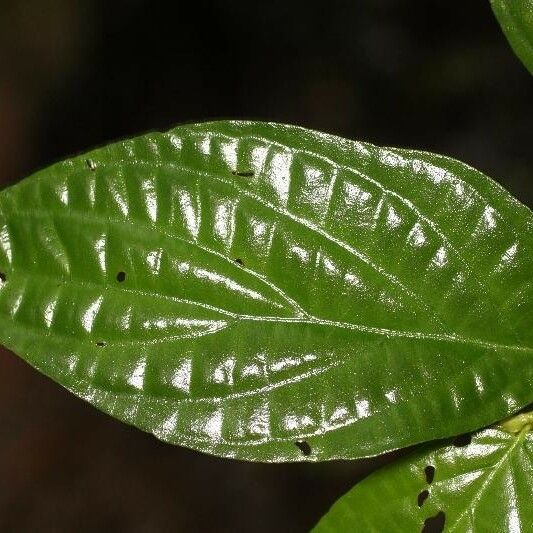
486	485
516	19
240	287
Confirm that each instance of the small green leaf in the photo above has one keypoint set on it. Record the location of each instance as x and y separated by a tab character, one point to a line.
485	485
270	293
516	19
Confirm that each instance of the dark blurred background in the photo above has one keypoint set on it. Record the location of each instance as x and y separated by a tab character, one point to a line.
74	74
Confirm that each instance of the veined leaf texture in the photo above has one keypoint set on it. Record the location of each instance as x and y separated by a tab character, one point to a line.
270	293
484	485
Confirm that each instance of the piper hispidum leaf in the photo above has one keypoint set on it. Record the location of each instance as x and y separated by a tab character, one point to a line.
236	287
483	486
516	19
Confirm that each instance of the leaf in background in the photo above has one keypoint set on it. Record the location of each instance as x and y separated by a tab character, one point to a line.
270	293
516	19
485	485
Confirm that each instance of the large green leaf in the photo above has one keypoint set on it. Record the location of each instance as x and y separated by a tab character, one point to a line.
516	20
240	287
486	485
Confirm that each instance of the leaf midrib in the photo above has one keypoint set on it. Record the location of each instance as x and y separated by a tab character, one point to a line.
299	312
309	320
